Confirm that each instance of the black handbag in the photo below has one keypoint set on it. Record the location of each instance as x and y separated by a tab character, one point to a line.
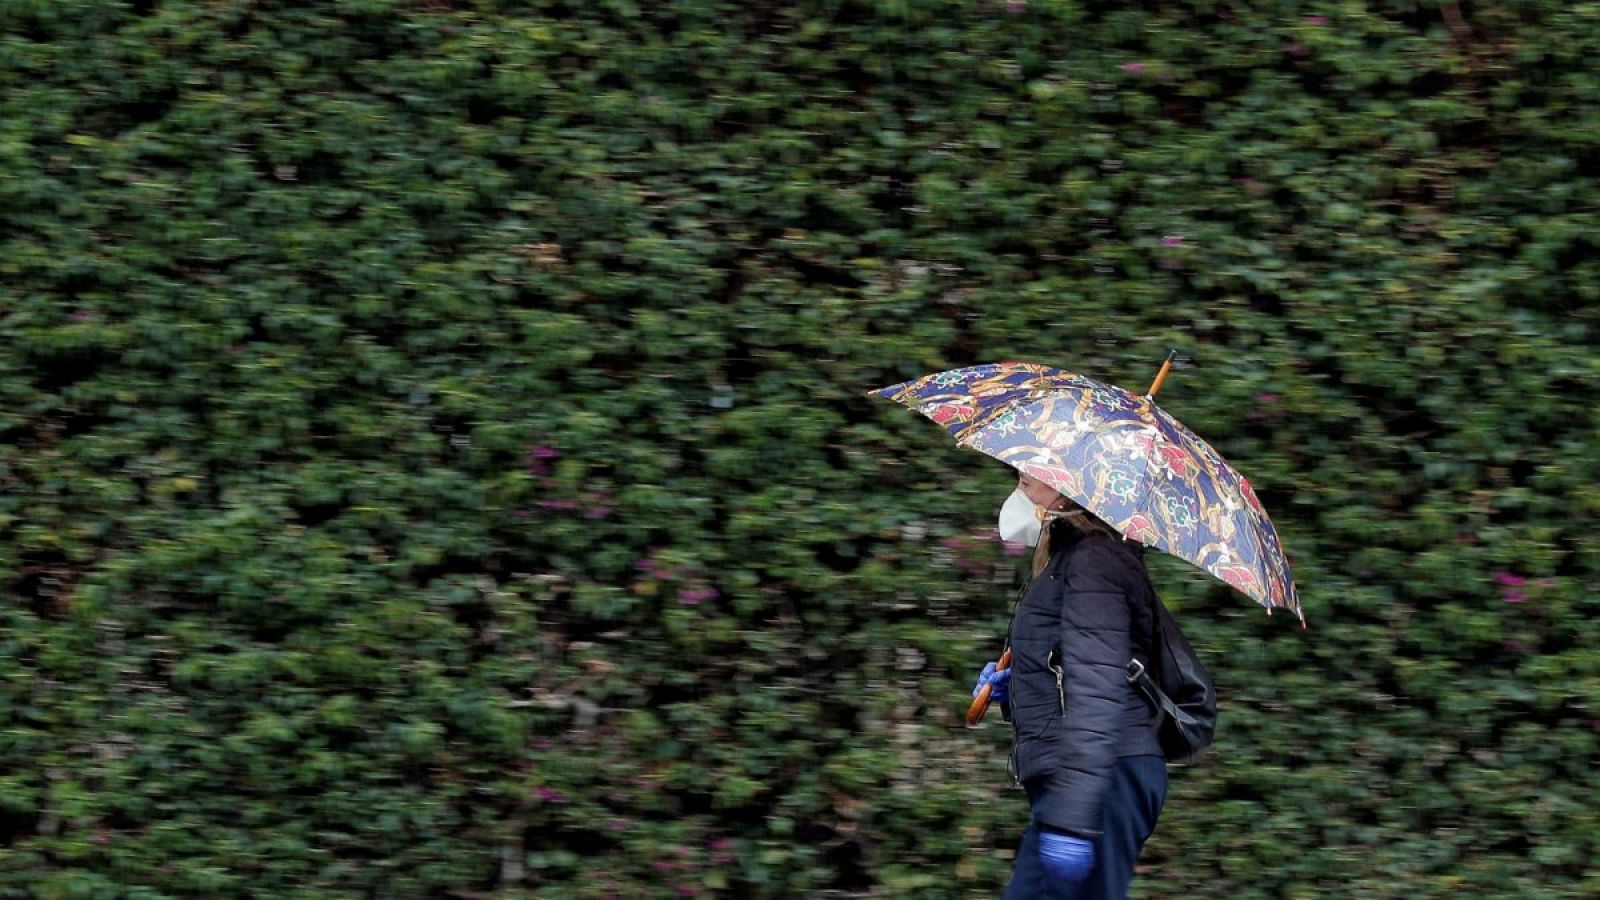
1179	689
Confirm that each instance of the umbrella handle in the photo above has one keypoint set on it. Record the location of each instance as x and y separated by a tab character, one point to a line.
980	703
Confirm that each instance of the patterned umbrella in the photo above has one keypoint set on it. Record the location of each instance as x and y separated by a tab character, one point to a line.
1121	457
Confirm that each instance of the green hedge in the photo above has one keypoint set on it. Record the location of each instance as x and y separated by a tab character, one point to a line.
436	457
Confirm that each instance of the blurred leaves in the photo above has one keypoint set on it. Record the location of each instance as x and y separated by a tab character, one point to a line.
436	462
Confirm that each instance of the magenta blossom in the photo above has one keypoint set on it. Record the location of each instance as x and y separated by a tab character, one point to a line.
548	794
696	596
1133	68
1317	21
1509	579
1172	240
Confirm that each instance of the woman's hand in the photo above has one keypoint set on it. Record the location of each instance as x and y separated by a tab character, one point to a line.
999	683
1066	857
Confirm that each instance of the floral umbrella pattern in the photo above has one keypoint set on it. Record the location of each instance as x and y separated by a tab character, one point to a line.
1121	457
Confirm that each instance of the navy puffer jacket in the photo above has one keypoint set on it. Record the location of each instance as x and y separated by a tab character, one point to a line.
1071	704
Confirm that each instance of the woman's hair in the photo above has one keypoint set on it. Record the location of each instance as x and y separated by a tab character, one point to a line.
1075	516
1085	521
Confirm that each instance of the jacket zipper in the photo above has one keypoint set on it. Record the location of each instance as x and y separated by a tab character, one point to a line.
1061	687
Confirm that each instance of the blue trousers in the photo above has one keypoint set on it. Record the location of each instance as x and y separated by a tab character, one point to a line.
1132	804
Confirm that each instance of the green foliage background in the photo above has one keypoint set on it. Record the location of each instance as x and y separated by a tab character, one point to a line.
436	461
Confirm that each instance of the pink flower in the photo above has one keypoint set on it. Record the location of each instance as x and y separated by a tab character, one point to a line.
1267	399
542	451
1509	579
697	596
1016	7
100	837
1513	595
597	512
549	794
1015	548
1133	68
1172	240
1317	21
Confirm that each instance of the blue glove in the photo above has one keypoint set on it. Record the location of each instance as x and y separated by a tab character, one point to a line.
999	683
1066	857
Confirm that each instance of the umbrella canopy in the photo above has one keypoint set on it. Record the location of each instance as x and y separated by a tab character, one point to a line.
1118	455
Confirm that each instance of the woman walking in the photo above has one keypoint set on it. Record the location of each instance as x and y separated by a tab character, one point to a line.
1085	746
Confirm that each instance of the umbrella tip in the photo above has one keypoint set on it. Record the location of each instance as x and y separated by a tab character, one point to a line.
1161	375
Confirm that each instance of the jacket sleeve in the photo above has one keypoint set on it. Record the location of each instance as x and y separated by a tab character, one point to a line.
1095	647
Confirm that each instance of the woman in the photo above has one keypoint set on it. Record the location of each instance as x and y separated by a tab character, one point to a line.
1085	746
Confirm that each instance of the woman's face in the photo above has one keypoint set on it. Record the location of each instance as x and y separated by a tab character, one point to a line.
1040	493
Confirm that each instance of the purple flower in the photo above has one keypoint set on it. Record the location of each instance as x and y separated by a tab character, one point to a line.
82	315
542	451
523	513
549	794
558	504
1318	21
1133	68
1509	579
1172	240
1016	7
1015	548
696	596
597	512
1513	595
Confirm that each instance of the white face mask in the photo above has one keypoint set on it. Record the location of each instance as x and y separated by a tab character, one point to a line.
1019	520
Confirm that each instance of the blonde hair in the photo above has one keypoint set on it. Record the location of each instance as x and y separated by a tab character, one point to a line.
1075	515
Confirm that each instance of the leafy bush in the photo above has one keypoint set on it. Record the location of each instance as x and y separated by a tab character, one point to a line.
437	459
